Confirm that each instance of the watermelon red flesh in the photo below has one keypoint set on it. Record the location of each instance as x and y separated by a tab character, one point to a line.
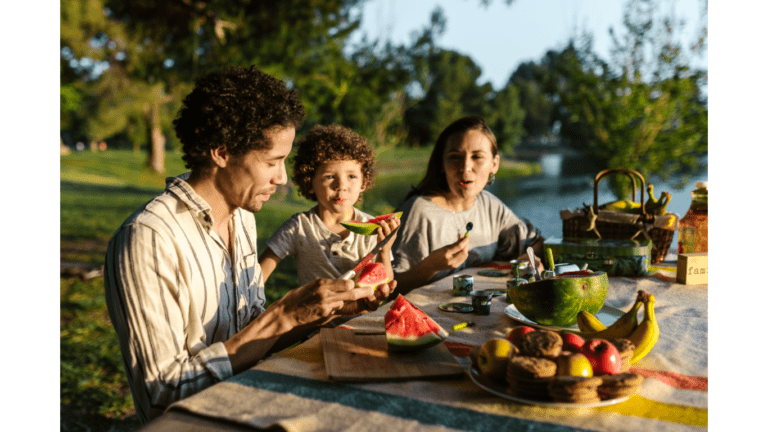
372	274
368	227
408	328
378	219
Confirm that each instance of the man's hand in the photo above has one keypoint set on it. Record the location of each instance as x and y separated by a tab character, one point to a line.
370	304
322	299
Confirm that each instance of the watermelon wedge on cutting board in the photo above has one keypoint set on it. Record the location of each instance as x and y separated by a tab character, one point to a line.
363	357
408	328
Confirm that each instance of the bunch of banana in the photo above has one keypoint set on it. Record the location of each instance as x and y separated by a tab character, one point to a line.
647	332
643	335
592	328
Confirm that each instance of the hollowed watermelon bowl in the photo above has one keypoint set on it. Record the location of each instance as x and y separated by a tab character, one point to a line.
556	301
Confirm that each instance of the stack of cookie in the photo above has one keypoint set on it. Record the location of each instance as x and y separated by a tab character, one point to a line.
529	377
619	385
530	371
575	389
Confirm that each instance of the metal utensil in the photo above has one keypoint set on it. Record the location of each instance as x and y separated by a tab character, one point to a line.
350	274
532	258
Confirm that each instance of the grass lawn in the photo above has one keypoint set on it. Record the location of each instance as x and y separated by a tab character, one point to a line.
98	192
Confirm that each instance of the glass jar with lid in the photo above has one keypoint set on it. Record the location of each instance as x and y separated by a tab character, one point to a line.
692	231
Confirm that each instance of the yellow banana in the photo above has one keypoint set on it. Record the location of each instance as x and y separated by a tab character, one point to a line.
622	328
647	332
588	322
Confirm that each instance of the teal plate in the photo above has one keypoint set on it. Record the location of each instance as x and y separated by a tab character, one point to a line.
493	273
457	307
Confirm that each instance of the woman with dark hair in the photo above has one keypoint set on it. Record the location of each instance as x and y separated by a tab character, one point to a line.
434	241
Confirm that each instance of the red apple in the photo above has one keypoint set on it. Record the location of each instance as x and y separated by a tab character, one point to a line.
572	342
574	364
516	333
603	356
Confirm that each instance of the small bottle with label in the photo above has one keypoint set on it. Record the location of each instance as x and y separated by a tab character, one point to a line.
692	233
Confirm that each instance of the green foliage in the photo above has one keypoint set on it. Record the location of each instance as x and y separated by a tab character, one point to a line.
452	91
92	375
655	123
535	103
505	117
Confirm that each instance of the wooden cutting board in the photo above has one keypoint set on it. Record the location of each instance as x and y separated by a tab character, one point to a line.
351	356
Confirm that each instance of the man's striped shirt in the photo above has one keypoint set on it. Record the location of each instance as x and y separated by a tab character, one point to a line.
175	295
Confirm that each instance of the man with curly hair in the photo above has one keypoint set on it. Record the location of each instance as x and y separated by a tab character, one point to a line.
333	166
184	289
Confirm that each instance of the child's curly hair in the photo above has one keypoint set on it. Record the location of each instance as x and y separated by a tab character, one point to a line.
234	106
330	143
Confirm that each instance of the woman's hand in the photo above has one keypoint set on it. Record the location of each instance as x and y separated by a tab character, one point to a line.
447	257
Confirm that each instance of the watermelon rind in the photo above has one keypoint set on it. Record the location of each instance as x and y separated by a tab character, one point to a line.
412	343
369	227
408	328
557	301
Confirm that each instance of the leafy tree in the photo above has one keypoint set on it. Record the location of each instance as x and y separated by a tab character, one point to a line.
654	122
155	49
452	92
506	117
536	104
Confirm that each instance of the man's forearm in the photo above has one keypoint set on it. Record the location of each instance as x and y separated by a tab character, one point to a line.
258	338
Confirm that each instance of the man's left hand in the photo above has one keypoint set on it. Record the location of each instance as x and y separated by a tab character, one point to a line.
369	304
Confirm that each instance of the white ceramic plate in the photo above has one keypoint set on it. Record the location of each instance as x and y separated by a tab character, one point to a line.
607	315
500	390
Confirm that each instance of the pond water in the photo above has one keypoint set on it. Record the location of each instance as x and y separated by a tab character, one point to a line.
540	199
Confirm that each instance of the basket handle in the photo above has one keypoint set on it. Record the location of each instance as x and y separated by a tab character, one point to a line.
632	174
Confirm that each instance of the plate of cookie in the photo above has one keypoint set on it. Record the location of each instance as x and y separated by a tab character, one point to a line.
607	315
573	392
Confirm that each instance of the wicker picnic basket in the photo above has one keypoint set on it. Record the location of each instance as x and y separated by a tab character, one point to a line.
591	222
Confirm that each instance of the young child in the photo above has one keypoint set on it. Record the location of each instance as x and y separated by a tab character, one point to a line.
333	166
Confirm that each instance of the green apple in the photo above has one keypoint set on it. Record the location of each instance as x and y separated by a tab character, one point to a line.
574	364
493	357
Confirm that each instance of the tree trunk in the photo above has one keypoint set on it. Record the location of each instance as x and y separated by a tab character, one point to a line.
156	157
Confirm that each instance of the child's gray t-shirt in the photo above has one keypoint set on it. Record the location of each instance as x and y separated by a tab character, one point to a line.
497	233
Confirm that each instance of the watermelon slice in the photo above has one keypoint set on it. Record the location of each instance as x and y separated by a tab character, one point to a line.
409	329
372	275
368	227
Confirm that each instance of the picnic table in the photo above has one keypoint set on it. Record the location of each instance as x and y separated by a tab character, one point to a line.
292	391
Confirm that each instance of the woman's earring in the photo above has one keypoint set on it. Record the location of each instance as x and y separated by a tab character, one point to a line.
491	179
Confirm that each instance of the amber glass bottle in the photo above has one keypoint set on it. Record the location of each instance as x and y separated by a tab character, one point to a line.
692	234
